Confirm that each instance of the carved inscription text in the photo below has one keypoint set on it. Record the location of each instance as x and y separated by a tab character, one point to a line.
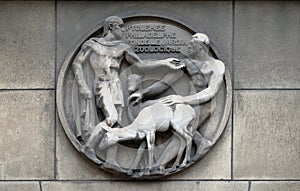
154	38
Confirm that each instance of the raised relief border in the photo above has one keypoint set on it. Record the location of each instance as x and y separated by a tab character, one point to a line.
144	96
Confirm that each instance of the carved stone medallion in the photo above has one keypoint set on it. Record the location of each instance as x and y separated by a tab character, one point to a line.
144	95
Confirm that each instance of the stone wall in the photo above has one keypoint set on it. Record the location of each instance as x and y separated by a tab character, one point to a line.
259	149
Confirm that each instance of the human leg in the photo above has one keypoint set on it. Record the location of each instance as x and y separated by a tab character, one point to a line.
105	102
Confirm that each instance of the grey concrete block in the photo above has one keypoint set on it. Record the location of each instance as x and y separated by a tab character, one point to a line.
266	135
19	186
275	186
26	138
76	18
27	40
72	165
146	186
267	44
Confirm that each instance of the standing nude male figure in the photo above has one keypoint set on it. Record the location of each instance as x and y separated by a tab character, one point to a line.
105	56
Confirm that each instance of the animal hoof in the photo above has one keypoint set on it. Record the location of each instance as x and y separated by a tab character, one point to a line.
130	172
147	172
183	165
162	170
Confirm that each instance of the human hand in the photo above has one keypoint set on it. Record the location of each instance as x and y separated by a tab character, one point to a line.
174	63
135	98
173	99
85	92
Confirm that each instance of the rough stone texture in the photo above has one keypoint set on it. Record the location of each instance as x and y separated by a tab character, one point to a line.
275	186
146	186
19	186
76	18
266	135
267	44
27	39
26	138
71	164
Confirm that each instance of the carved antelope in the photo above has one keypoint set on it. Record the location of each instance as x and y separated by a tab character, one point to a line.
156	117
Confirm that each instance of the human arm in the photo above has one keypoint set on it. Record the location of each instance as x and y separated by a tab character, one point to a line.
132	58
81	58
215	82
157	87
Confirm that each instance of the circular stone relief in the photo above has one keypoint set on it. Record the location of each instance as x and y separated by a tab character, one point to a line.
144	95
